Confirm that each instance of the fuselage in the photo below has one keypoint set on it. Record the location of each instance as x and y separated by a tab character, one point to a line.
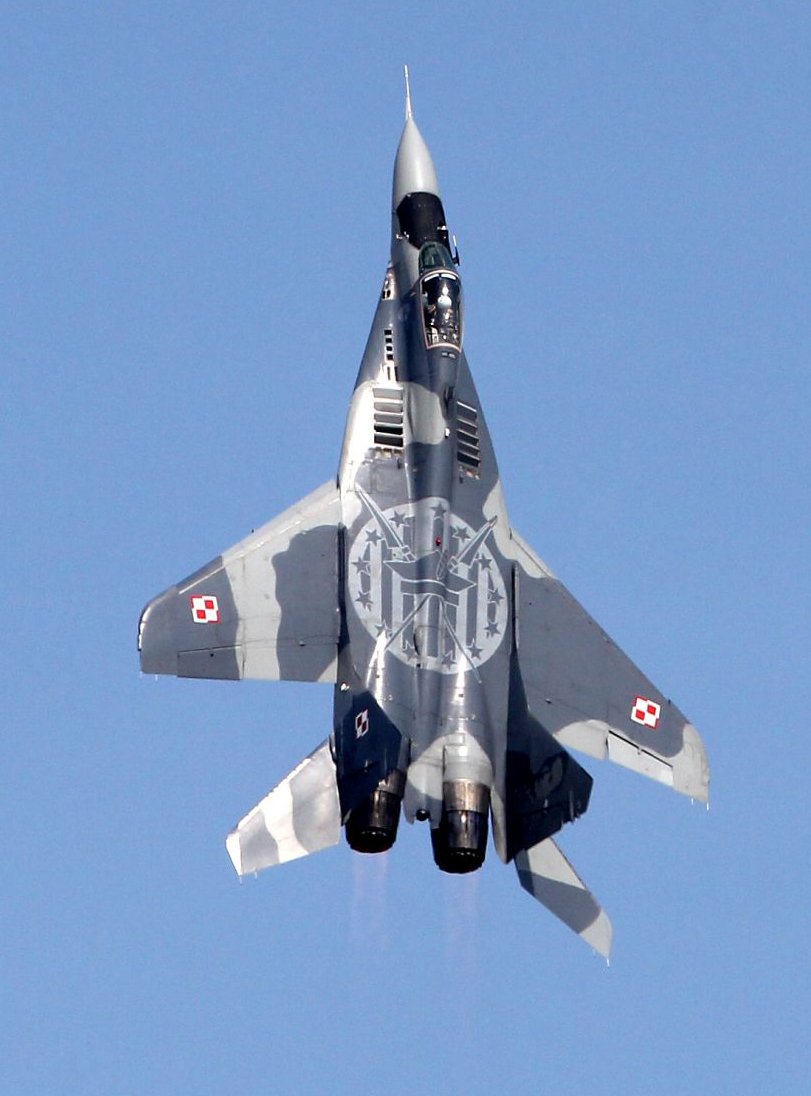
427	598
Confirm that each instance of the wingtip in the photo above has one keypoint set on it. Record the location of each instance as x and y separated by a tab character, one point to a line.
234	851
691	770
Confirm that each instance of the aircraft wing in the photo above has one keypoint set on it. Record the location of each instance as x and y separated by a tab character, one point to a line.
586	692
267	608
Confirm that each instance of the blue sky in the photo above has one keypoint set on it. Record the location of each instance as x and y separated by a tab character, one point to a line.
196	223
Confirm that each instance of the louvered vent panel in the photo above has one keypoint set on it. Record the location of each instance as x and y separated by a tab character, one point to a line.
468	447
388	432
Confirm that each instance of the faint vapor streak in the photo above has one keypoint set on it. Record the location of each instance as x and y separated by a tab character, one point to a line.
368	921
462	949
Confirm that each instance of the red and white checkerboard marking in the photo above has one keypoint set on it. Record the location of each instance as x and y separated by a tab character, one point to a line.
362	723
646	712
205	609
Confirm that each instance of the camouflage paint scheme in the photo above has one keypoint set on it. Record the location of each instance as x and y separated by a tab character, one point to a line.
461	666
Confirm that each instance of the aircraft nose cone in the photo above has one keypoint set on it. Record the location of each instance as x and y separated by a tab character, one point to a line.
413	167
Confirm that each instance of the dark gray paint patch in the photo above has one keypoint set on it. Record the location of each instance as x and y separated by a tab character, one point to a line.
307	638
575	907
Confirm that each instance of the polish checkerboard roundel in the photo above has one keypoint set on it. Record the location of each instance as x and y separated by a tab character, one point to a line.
205	609
426	581
646	712
362	723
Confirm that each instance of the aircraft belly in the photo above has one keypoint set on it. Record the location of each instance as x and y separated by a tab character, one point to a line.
428	575
427	618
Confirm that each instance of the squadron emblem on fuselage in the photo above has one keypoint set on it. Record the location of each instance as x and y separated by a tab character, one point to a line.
424	579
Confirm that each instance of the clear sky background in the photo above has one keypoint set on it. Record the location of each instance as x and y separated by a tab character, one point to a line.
195	229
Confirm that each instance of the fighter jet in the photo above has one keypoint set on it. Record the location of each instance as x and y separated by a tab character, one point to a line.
463	670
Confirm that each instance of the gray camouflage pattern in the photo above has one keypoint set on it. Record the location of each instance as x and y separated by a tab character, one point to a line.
454	652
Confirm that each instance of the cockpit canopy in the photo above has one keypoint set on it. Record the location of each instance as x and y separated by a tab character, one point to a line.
435	256
441	297
421	219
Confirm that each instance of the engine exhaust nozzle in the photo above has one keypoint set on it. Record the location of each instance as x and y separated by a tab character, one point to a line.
372	825
460	839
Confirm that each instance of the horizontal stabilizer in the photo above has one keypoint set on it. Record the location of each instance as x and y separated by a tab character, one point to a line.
545	872
301	815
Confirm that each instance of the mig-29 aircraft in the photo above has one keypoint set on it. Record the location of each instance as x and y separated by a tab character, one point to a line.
463	670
